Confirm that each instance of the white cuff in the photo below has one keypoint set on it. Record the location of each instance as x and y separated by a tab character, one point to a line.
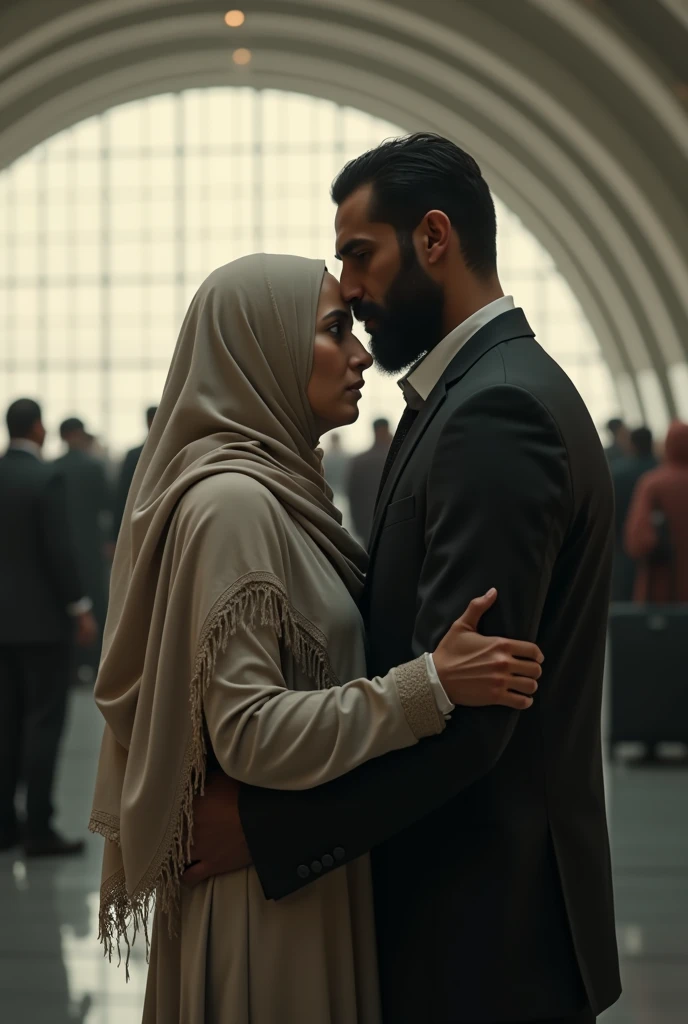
86	604
444	705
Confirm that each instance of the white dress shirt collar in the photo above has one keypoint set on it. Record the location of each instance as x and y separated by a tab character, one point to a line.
22	444
422	378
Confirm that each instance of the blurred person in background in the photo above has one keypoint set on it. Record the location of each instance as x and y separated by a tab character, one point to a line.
126	475
41	600
99	451
621	441
626	471
89	508
365	473
336	466
656	531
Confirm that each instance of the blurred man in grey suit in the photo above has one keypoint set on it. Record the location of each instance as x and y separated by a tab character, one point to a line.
620	448
364	478
42	598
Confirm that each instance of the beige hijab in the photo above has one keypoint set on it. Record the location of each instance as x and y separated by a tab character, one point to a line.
234	402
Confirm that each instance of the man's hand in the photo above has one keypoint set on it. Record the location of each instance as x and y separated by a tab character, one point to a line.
477	670
219	845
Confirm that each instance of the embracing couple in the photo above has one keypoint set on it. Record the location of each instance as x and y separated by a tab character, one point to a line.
403	816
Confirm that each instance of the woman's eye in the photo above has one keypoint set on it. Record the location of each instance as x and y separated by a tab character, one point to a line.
335	330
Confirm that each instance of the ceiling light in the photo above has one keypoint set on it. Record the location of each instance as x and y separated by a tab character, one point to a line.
234	19
242	57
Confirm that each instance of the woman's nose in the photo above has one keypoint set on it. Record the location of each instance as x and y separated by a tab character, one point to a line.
363	358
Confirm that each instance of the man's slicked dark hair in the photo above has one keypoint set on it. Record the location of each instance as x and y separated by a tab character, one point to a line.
22	415
417	173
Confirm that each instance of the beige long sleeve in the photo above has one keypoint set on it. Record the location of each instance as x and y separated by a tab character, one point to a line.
267	735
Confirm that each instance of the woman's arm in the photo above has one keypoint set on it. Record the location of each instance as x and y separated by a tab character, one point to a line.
266	735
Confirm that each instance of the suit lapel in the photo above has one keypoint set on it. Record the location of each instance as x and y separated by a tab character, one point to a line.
506	327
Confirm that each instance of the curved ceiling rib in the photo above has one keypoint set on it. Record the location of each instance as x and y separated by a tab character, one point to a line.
576	173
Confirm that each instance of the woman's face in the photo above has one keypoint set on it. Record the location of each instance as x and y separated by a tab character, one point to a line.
339	360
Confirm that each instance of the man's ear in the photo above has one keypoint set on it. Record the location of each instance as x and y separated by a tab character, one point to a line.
436	234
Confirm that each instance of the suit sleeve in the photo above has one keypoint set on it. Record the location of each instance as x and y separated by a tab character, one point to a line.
56	538
499	506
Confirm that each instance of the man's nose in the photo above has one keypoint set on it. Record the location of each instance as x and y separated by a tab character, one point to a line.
352	290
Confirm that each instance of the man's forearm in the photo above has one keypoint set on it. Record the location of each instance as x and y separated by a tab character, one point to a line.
296	837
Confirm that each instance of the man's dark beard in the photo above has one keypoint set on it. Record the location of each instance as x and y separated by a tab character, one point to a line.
410	322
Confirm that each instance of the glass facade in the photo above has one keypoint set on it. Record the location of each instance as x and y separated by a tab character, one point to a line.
110	226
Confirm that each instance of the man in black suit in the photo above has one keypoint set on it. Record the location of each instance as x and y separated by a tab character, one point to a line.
620	448
126	475
41	597
489	843
89	509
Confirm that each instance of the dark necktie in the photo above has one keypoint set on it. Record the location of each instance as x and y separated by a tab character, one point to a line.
405	423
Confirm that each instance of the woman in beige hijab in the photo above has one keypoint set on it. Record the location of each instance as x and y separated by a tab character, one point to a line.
233	625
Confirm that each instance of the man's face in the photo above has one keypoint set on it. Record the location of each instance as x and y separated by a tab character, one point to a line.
382	278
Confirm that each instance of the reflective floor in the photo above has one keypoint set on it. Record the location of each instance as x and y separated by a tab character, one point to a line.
52	970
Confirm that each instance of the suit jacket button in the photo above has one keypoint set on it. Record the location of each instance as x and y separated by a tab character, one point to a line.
339	853
328	861
316	867
303	871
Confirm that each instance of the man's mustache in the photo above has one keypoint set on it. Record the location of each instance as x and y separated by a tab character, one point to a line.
367	311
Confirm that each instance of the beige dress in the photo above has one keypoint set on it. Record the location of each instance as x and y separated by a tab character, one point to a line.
309	958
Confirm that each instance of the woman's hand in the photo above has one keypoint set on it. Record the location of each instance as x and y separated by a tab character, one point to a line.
476	670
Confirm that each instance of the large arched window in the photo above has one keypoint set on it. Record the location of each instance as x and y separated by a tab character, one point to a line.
110	226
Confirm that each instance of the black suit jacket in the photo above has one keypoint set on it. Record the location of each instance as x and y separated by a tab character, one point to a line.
490	850
38	568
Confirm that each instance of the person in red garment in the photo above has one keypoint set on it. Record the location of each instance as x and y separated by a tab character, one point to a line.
657	525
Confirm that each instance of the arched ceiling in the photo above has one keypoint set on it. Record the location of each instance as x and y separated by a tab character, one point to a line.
577	111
